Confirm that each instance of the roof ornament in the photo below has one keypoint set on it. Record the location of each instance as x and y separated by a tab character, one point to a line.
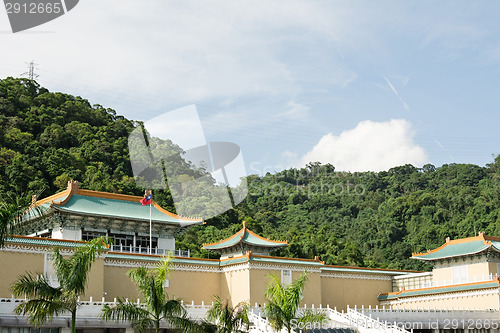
73	186
448	239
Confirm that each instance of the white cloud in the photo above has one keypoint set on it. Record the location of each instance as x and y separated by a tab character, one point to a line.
370	146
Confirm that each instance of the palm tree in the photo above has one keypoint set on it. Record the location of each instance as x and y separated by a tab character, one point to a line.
46	301
283	304
226	318
157	306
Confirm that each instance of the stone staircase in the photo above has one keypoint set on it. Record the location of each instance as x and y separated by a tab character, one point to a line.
338	322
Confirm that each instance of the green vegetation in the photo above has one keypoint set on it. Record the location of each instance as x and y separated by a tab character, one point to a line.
46	301
156	305
365	219
226	319
282	305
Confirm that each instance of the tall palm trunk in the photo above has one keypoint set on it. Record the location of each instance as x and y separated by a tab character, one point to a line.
73	320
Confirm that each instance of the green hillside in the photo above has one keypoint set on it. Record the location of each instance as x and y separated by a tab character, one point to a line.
365	219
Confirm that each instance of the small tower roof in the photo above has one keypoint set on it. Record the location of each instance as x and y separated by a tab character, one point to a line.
244	236
461	247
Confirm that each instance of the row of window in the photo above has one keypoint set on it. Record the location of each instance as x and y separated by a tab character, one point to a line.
121	239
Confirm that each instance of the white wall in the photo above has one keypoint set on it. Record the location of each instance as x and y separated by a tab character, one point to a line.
63	233
166	243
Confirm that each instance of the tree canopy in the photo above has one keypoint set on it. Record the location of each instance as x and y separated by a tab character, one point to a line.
361	218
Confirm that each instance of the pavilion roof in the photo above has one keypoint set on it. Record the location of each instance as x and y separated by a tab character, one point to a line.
461	247
244	236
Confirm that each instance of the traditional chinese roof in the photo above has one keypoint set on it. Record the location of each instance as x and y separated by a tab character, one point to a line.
244	236
461	247
102	204
439	290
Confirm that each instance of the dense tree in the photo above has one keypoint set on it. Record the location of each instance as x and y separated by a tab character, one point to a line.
374	219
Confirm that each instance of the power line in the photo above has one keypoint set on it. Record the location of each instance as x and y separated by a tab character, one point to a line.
31	71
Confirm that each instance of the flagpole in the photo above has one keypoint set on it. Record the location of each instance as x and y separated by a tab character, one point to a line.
150	227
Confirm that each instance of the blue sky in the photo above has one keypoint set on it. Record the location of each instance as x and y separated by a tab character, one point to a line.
364	85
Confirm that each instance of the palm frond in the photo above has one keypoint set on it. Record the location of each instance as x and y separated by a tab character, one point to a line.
139	275
283	301
124	311
228	319
275	314
79	265
34	286
143	324
311	316
206	327
40	310
294	293
162	270
185	324
173	308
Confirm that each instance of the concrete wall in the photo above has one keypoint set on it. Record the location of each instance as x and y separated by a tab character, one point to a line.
343	291
194	286
235	286
199	283
13	264
95	282
260	279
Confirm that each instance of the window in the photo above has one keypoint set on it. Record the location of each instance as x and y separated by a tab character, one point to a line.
459	274
49	271
88	235
286	277
143	241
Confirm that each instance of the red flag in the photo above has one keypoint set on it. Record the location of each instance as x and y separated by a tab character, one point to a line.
147	199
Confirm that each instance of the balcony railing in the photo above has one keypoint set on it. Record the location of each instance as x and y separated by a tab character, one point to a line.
147	250
417	281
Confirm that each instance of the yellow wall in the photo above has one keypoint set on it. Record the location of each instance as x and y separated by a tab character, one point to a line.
441	274
243	284
259	280
312	291
118	284
13	264
475	272
187	285
341	292
194	286
95	282
235	286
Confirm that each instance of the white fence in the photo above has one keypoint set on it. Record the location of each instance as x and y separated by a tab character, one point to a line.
463	319
88	314
147	250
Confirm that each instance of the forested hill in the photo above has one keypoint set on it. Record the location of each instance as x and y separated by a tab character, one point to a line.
365	219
